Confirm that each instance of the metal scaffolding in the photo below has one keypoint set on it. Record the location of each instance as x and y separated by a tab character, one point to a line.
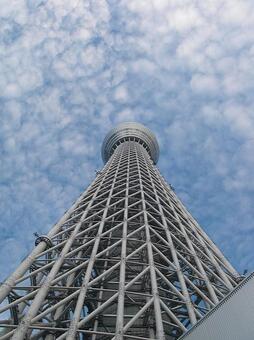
126	261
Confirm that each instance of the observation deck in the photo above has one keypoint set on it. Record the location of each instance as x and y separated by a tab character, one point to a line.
130	131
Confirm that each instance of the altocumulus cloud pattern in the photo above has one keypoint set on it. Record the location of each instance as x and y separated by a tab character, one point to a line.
70	70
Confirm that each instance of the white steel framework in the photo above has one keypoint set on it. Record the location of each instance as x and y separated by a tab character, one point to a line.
126	261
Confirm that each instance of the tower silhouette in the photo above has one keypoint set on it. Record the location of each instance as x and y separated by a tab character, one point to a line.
126	261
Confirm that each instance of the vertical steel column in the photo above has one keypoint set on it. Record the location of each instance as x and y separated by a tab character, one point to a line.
121	289
157	308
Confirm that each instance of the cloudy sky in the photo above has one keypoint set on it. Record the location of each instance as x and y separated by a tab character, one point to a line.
71	70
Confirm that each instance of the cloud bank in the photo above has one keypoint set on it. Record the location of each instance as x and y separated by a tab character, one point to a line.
70	70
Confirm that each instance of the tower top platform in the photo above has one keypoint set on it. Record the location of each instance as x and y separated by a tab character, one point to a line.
130	131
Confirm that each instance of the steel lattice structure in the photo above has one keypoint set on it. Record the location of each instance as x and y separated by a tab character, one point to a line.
126	261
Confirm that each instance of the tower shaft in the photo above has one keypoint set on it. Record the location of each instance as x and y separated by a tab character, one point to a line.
127	261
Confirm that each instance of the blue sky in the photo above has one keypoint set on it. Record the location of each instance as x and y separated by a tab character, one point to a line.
71	70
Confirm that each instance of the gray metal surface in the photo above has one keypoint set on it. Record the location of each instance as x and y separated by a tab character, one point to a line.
231	319
127	260
130	131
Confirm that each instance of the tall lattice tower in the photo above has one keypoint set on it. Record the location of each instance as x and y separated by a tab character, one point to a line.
126	261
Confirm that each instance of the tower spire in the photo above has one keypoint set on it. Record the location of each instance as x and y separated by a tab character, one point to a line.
126	261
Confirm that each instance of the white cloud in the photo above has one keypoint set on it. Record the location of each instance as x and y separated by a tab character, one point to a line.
184	18
126	115
121	94
236	12
160	4
203	83
240	119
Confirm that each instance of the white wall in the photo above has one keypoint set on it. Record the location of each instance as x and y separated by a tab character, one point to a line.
232	319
